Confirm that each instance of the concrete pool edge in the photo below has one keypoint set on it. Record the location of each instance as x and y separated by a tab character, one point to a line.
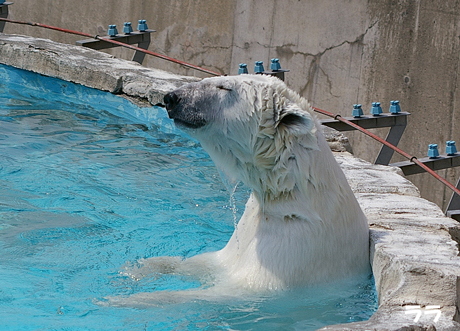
88	67
414	255
414	251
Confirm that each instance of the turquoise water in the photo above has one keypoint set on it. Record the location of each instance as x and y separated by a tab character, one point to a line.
88	182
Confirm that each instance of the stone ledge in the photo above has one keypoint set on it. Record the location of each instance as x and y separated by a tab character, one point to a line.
413	254
414	258
88	67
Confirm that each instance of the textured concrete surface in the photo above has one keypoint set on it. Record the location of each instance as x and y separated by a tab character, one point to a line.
88	67
414	247
414	251
339	53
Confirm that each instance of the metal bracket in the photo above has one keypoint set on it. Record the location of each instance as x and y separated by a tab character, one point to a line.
393	137
396	122
4	13
439	163
453	208
142	39
277	73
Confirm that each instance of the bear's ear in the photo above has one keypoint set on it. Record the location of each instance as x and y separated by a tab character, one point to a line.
294	121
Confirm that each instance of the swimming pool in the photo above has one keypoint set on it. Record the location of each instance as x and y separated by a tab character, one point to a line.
88	182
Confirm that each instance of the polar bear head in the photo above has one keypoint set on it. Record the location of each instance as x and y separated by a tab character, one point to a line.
254	128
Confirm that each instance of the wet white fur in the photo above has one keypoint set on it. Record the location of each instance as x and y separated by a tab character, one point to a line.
302	224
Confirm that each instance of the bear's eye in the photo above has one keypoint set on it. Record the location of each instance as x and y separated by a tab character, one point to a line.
222	87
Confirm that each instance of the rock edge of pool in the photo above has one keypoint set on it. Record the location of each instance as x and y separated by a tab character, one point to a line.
413	246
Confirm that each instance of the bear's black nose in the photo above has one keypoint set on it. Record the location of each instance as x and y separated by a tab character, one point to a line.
171	100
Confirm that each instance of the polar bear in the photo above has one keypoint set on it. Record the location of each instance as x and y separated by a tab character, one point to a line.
302	224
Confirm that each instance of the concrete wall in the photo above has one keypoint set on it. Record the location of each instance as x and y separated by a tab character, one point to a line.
339	53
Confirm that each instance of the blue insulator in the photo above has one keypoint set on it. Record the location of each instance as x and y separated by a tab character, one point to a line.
451	149
243	69
357	110
394	107
376	110
142	26
127	28
259	68
275	65
398	108
112	30
433	151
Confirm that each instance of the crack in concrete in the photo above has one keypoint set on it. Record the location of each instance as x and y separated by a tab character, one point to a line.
329	82
286	49
317	59
358	40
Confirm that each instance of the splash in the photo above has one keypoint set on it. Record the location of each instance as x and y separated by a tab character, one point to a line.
231	185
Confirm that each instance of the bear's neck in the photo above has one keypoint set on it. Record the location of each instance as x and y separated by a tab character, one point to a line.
269	190
272	184
294	181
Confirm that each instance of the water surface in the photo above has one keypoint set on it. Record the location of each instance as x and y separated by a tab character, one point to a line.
88	182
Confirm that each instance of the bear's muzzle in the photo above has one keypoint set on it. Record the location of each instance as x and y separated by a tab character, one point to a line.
188	117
